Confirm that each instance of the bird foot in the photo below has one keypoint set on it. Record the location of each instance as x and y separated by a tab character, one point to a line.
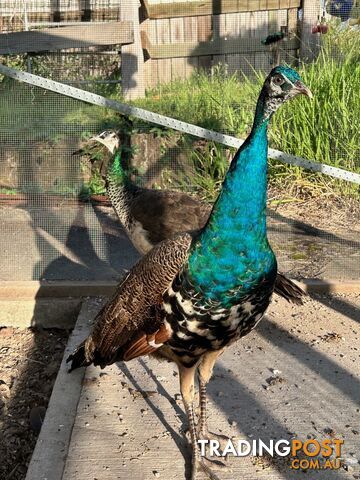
217	437
208	467
215	465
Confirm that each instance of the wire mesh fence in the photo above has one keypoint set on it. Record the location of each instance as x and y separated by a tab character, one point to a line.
50	226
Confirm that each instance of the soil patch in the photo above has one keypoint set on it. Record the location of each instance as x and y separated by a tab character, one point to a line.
29	362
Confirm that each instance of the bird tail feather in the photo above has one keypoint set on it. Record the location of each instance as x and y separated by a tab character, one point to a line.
288	289
78	358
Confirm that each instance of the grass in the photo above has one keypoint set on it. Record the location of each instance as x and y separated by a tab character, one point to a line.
8	191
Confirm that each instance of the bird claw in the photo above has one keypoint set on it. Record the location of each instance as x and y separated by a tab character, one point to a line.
214	465
203	465
221	439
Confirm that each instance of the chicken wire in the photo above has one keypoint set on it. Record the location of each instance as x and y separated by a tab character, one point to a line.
51	230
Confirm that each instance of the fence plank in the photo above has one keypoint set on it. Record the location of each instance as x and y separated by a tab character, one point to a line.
219	31
51	39
211	7
204	28
204	33
205	62
177	36
163	37
216	47
45	17
191	35
232	31
292	21
191	29
150	65
261	60
310	42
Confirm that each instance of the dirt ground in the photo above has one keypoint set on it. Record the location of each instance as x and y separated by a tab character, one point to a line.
29	361
317	238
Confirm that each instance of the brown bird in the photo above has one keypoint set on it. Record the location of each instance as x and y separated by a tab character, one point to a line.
150	216
195	294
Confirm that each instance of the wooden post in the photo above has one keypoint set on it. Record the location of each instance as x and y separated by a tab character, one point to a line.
132	59
310	42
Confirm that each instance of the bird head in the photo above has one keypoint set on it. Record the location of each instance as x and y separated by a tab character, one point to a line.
283	83
109	138
93	150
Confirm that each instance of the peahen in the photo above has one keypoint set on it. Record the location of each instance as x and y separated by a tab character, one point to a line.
150	216
195	294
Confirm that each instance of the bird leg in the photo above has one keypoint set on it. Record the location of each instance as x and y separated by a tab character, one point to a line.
205	372
187	377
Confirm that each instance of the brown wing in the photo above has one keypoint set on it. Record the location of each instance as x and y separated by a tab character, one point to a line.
130	324
164	214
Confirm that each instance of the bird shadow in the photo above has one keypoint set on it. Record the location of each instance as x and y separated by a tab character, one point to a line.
339	305
328	369
180	441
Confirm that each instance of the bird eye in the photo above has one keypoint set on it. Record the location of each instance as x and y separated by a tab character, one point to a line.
278	80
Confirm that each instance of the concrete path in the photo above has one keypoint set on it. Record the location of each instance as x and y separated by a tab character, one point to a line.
296	376
52	242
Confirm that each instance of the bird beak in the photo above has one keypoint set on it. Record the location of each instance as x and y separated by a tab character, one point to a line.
78	152
301	88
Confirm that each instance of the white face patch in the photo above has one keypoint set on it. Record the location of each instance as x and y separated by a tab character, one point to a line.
110	140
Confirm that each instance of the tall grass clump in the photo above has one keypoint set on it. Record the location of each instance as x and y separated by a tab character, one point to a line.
217	101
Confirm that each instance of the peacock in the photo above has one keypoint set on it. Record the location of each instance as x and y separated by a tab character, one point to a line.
195	294
150	216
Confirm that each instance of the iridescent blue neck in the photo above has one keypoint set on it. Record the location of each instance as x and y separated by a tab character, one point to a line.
233	249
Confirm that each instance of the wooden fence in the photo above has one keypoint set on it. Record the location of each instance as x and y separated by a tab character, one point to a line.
169	40
178	45
17	15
